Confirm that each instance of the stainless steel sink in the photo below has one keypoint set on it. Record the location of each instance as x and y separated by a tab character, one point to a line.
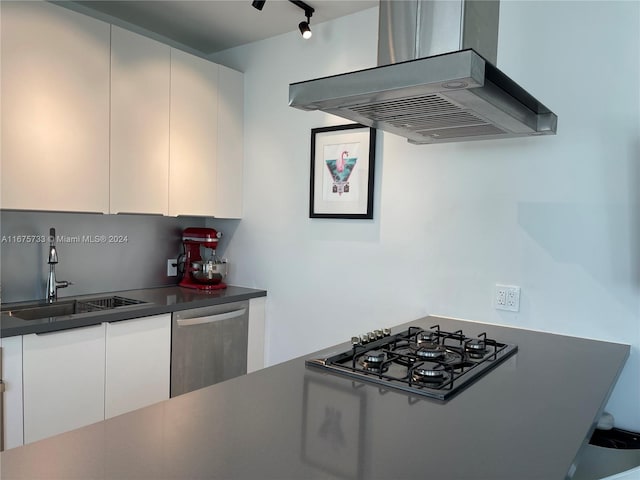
44	311
68	307
106	303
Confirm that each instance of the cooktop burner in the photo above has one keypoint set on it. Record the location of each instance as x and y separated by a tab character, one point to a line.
432	362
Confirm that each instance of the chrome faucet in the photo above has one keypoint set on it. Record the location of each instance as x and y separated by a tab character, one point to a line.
52	284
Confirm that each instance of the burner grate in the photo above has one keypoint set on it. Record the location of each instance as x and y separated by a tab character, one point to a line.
399	361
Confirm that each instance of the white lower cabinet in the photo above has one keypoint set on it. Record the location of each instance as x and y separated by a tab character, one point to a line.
12	380
63	381
60	381
138	355
80	376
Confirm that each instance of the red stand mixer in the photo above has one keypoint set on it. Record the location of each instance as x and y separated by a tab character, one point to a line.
198	272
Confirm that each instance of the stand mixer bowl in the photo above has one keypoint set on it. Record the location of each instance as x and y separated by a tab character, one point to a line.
208	272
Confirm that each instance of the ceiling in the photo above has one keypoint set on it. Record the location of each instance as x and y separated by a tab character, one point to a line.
214	25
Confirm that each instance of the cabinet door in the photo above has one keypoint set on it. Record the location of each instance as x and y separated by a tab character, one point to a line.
230	156
140	74
138	354
55	109
12	401
193	177
63	381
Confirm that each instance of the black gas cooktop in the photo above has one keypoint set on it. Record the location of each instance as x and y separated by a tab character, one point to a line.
432	362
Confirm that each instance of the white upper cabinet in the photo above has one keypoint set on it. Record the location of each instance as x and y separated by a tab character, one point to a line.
230	143
140	76
55	109
96	118
193	175
205	174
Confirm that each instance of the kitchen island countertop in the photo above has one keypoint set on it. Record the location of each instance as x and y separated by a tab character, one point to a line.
157	301
527	420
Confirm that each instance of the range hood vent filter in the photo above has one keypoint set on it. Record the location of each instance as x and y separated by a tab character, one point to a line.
430	116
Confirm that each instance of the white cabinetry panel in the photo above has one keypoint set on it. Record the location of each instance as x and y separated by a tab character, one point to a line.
12	379
96	118
230	161
63	375
206	160
138	355
255	346
193	176
55	109
140	76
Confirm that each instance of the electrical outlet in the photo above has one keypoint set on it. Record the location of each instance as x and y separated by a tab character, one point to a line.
507	297
172	267
513	298
501	296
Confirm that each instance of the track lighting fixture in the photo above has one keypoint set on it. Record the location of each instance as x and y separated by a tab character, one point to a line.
304	27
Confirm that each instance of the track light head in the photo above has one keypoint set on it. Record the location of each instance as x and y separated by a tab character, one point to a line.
305	29
258	4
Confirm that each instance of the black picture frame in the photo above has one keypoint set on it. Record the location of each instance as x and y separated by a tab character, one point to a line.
342	187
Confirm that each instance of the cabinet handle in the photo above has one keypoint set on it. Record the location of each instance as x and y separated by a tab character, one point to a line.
157	214
43	334
187	322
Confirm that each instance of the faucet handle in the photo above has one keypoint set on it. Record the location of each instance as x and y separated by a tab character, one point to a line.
53	253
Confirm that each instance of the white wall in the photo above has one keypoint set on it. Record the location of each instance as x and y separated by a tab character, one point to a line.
557	216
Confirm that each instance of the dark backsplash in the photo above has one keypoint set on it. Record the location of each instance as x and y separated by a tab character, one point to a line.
99	253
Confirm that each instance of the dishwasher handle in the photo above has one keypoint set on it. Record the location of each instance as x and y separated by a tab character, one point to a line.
187	322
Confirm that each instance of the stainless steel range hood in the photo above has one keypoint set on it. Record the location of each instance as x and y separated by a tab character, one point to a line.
435	82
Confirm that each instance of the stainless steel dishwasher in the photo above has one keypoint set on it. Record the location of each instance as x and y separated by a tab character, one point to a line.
208	345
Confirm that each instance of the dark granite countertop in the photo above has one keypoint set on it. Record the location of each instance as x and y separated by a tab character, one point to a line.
525	420
159	300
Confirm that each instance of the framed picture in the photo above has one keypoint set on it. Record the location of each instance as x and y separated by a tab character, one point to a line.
333	424
342	172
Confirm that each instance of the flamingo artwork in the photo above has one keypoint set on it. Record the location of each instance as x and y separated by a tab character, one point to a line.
340	168
341	161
